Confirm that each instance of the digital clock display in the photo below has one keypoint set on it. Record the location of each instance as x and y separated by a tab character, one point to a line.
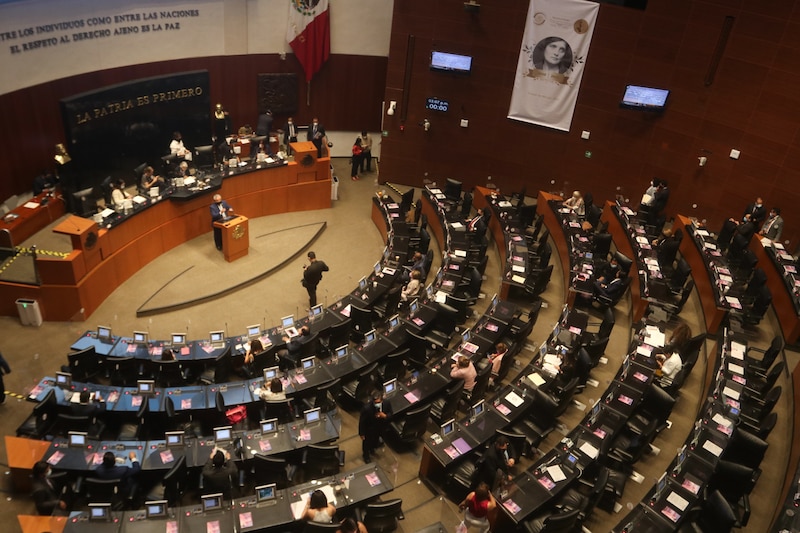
437	104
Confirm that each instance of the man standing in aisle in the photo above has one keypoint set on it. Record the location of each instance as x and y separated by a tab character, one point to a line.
312	275
219	210
289	135
366	152
316	134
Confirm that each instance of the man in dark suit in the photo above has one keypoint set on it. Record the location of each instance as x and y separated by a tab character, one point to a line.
609	289
46	495
87	407
757	212
497	463
219	210
316	134
109	469
289	134
773	227
264	124
371	424
219	473
312	275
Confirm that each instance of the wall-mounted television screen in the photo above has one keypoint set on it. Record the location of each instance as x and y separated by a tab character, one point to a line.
447	62
647	98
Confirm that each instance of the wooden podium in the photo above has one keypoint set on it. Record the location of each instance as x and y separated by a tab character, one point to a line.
85	236
235	237
305	155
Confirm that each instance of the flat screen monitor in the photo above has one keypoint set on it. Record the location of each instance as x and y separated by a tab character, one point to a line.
140	337
178	339
369	336
478	408
265	493
429	291
270	373
211	502
316	310
217	337
661	484
447	62
377	268
679	460
287	322
253	331
64	380
312	415
269	426
174	438
571	460
341	351
626	365
413	307
77	439
100	511
155	509
386	253
493	302
647	98
439	278
389	387
146	386
307	363
466	335
394	322
104	333
362	284
594	413
223	434
448	427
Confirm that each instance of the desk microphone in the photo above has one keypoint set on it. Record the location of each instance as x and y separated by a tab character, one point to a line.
226	328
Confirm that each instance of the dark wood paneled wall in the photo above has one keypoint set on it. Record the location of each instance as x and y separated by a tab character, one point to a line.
346	95
752	105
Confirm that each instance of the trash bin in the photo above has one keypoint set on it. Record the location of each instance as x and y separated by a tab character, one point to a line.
29	312
334	188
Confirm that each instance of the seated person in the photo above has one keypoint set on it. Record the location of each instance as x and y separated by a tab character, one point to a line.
167	355
86	407
668	367
183	170
176	147
496	359
497	463
119	195
149	179
417	263
245	131
255	348
219	473
318	509
43	182
411	290
609	289
464	369
575	203
109	469
46	495
351	525
294	346
273	392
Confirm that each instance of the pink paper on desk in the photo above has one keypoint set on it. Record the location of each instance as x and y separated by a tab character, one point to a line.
208	348
503	409
131	348
576	331
246	520
492	327
418	321
305	434
265	445
172	526
185	350
136	401
546	482
461	445
55	458
166	456
670	513
212	526
452	452
300	378
97	458
186	403
411	397
35	391
512	507
373	479
691	486
158	350
113	396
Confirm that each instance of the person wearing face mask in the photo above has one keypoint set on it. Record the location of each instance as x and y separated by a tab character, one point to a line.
219	210
316	134
757	212
46	495
289	134
773	227
371	423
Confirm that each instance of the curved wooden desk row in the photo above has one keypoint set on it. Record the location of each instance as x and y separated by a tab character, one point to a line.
27	219
102	259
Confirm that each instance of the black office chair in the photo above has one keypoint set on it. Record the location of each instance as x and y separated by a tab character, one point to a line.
716	515
42	418
443	326
734	482
656	405
283	410
411	427
357	391
140	428
173	485
389	304
362	322
84	365
478	392
537	281
596	349
382	517
755	410
169	374
444	408
585	495
106	491
538	422
320	461
419	350
759	385
325	396
763	364
601	245
92	425
461	305
395	365
268	469
679	276
339	334
452	190
123	371
180	420
604	329
764	426
220	370
564	522
745	448
317	527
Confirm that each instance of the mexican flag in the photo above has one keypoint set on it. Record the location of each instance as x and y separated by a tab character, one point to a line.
309	34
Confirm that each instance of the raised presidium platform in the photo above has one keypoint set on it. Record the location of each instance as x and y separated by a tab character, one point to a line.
30	217
104	257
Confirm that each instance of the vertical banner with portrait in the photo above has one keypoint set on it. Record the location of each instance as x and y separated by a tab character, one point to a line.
551	60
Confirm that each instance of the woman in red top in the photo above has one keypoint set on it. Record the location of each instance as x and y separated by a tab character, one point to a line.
478	505
357	156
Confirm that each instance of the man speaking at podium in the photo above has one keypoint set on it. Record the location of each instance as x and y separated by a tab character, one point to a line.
219	210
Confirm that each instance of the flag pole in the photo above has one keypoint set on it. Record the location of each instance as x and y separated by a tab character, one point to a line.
308	94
